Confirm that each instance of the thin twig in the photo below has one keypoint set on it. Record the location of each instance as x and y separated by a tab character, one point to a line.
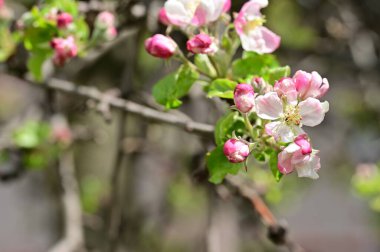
131	107
277	233
73	240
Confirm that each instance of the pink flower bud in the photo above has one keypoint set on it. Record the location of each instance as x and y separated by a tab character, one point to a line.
310	84
303	142
286	87
235	150
64	19
105	19
64	49
244	98
261	86
163	17
160	46
201	43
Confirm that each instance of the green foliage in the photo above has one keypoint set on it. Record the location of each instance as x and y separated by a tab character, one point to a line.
271	75
222	88
174	86
252	64
231	122
31	134
273	161
203	63
218	165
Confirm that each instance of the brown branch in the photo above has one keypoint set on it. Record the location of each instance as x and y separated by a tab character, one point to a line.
73	240
277	232
130	107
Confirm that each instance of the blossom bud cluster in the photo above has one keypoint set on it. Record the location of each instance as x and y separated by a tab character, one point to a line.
105	25
293	103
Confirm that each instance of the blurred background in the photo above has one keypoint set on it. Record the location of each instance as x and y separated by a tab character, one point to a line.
164	202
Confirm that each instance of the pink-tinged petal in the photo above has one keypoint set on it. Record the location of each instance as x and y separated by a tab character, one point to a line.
303	142
312	111
202	43
286	87
227	6
280	131
310	84
200	16
244	98
179	13
163	17
284	164
309	169
272	40
269	106
260	40
324	88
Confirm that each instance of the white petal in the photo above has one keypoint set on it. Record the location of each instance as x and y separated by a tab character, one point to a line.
280	132
309	169
269	106
291	148
312	111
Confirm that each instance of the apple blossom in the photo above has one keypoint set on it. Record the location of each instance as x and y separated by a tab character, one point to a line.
202	44
299	156
310	84
160	46
105	19
288	118
249	26
244	98
64	19
64	49
235	150
195	12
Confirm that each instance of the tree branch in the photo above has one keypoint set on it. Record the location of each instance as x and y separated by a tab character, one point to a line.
130	107
277	232
73	240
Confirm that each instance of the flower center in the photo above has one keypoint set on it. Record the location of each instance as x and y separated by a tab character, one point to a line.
292	115
253	24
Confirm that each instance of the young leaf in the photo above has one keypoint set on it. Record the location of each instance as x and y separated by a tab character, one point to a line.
174	86
222	88
271	75
252	63
226	125
218	165
273	164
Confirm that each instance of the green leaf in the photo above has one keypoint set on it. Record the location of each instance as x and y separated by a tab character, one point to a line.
222	88
218	165
31	134
203	63
252	64
226	125
35	64
174	86
273	164
271	75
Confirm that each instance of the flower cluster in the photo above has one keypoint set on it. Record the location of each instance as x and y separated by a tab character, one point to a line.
273	106
292	104
64	49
